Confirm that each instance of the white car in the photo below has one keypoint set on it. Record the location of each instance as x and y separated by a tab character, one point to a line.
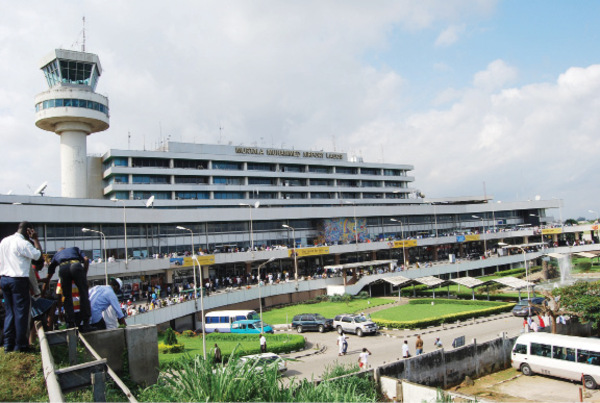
354	324
265	359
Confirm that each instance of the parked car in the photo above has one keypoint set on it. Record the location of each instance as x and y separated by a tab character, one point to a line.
264	360
523	310
311	321
354	324
250	326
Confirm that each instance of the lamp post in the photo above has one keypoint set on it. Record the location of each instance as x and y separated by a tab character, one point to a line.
193	259
522	249
256	205
125	227
295	253
483	233
103	237
403	242
260	266
597	222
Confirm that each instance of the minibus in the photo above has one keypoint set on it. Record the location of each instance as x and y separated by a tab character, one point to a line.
567	357
220	321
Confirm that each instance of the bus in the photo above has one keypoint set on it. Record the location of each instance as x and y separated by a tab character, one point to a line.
220	321
567	357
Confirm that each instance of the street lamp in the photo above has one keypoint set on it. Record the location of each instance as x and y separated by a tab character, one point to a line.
103	237
125	227
522	249
295	253
403	242
193	258
483	233
256	205
260	266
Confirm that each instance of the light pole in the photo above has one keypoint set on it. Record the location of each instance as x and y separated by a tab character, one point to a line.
295	253
194	257
522	249
482	233
260	266
124	226
194	260
103	237
597	222
403	249
256	205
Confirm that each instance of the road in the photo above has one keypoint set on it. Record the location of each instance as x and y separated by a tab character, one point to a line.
387	346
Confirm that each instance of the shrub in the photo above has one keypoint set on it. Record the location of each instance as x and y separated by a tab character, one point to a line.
584	266
362	295
170	349
170	338
188	333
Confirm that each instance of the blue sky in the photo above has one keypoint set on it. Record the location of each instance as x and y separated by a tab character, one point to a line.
467	91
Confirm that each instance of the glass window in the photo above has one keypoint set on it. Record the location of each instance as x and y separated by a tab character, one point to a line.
346	170
542	350
229	195
370	171
588	357
563	353
227	165
520	349
253	166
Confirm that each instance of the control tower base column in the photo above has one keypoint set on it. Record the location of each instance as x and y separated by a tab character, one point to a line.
73	157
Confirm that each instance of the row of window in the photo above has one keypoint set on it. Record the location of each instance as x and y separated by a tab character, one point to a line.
560	353
71	102
71	72
250	166
191	195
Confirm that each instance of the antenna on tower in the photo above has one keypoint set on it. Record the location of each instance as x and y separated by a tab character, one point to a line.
220	133
129	140
83	44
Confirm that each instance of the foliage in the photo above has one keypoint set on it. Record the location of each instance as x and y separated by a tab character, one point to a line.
571	221
421	314
362	295
584	266
346	298
581	299
198	380
170	348
188	333
170	338
339	370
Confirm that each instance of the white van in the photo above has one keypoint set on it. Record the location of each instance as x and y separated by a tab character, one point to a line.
567	357
220	321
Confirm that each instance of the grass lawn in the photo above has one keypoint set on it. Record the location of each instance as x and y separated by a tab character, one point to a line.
246	344
424	311
327	309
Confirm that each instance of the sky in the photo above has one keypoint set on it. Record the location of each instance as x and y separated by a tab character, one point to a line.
500	97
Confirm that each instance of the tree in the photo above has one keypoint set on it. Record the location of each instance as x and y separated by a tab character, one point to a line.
571	221
581	299
170	338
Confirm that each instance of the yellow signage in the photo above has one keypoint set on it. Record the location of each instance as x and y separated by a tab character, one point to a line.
203	260
471	238
407	243
321	250
548	231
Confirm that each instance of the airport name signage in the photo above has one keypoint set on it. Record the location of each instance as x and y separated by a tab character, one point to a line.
287	153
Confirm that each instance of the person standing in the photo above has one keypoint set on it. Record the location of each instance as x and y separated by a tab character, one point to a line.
363	358
217	354
419	345
16	256
72	268
342	343
263	343
405	350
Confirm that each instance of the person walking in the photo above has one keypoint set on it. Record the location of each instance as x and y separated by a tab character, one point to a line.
342	342
405	350
16	256
363	358
419	345
72	266
263	343
217	354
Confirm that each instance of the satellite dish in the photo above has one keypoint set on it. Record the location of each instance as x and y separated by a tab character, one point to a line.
256	204
40	190
538	197
150	202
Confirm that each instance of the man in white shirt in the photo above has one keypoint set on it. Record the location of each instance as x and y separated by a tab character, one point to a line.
16	254
101	298
363	358
405	350
263	343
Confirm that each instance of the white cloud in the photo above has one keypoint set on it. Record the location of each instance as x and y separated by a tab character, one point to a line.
450	35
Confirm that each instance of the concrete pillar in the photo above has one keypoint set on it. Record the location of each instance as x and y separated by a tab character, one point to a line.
142	350
525	239
73	158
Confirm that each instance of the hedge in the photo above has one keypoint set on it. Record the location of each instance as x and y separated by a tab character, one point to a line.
170	349
494	308
277	343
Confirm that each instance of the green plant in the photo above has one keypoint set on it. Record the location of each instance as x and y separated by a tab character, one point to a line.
170	348
170	338
188	333
584	266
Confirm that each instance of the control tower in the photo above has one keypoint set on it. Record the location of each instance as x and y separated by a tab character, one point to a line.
71	109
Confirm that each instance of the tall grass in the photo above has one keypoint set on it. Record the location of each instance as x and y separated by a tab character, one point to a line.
198	380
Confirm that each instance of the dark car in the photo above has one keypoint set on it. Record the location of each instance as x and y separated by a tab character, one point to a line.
311	321
522	309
